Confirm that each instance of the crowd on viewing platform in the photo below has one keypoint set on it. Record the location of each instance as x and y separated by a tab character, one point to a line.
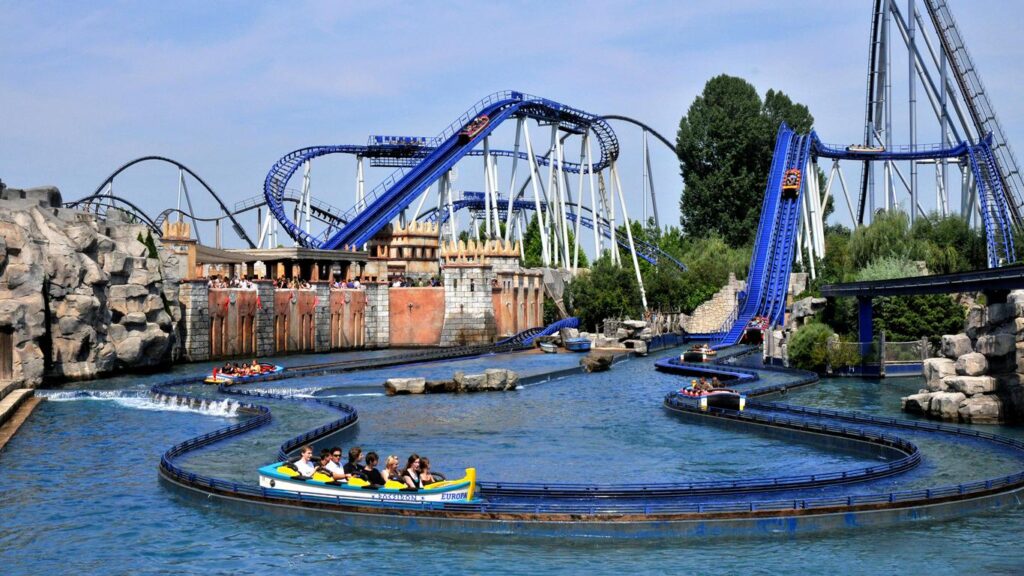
408	282
283	283
222	283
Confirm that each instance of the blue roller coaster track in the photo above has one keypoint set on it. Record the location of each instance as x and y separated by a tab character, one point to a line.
994	203
776	239
772	259
398	191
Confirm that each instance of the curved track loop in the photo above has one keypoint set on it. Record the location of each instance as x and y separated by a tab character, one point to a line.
110	201
227	213
609	509
397	191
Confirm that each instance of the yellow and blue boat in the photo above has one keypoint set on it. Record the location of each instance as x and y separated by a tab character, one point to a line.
281	476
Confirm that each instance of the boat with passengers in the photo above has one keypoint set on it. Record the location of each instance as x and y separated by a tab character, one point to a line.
284	476
706	397
699	353
242	375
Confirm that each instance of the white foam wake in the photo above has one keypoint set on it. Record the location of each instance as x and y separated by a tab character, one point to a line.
289	392
355	394
141	400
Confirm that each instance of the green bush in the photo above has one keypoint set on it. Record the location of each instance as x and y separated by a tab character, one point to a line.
808	347
843	356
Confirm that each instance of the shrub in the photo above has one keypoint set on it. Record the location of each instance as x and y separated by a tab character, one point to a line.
808	347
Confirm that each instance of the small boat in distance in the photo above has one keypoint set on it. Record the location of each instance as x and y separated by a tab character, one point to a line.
577	344
860	148
549	347
218	377
715	398
471	130
699	353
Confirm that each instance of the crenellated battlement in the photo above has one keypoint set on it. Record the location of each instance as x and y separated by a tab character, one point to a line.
484	252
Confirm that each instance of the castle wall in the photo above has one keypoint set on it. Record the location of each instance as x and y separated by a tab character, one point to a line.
294	321
469	307
347	319
416	316
377	315
233	322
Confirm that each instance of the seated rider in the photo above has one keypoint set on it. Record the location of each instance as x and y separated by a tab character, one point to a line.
325	459
255	367
305	464
333	465
411	474
390	471
227	369
425	476
354	455
715	383
370	472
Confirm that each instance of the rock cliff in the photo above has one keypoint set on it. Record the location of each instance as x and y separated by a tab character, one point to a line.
80	294
978	378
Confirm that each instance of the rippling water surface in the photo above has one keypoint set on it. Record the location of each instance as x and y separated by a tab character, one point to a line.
79	490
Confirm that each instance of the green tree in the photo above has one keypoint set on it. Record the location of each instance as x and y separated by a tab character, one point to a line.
907	318
605	291
725	144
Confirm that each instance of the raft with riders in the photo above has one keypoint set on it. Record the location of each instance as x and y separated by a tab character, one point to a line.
235	373
359	479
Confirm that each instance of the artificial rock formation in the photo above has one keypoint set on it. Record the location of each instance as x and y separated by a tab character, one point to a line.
492	380
980	376
79	293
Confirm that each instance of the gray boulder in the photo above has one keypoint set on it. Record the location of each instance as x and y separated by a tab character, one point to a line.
602	342
495	379
394	386
935	369
945	405
999	313
985	409
634	325
975	320
135	319
806	307
971	385
973	364
1014	298
995	344
639	347
955	345
596	362
129	350
916	403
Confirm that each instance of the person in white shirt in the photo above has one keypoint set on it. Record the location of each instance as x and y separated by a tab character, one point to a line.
334	464
305	464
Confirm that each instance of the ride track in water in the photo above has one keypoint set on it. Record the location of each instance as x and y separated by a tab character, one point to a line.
850	498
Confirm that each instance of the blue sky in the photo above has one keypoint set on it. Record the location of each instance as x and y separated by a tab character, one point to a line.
230	87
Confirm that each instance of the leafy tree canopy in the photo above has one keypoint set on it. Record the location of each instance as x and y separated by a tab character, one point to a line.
725	144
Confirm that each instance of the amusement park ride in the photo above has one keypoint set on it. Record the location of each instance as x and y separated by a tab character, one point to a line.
568	193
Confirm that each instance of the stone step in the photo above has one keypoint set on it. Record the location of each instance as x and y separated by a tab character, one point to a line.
9	405
6	388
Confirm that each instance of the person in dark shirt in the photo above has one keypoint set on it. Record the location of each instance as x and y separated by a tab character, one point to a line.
370	472
411	474
352	466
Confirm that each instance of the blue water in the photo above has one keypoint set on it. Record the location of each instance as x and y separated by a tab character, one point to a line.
79	490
